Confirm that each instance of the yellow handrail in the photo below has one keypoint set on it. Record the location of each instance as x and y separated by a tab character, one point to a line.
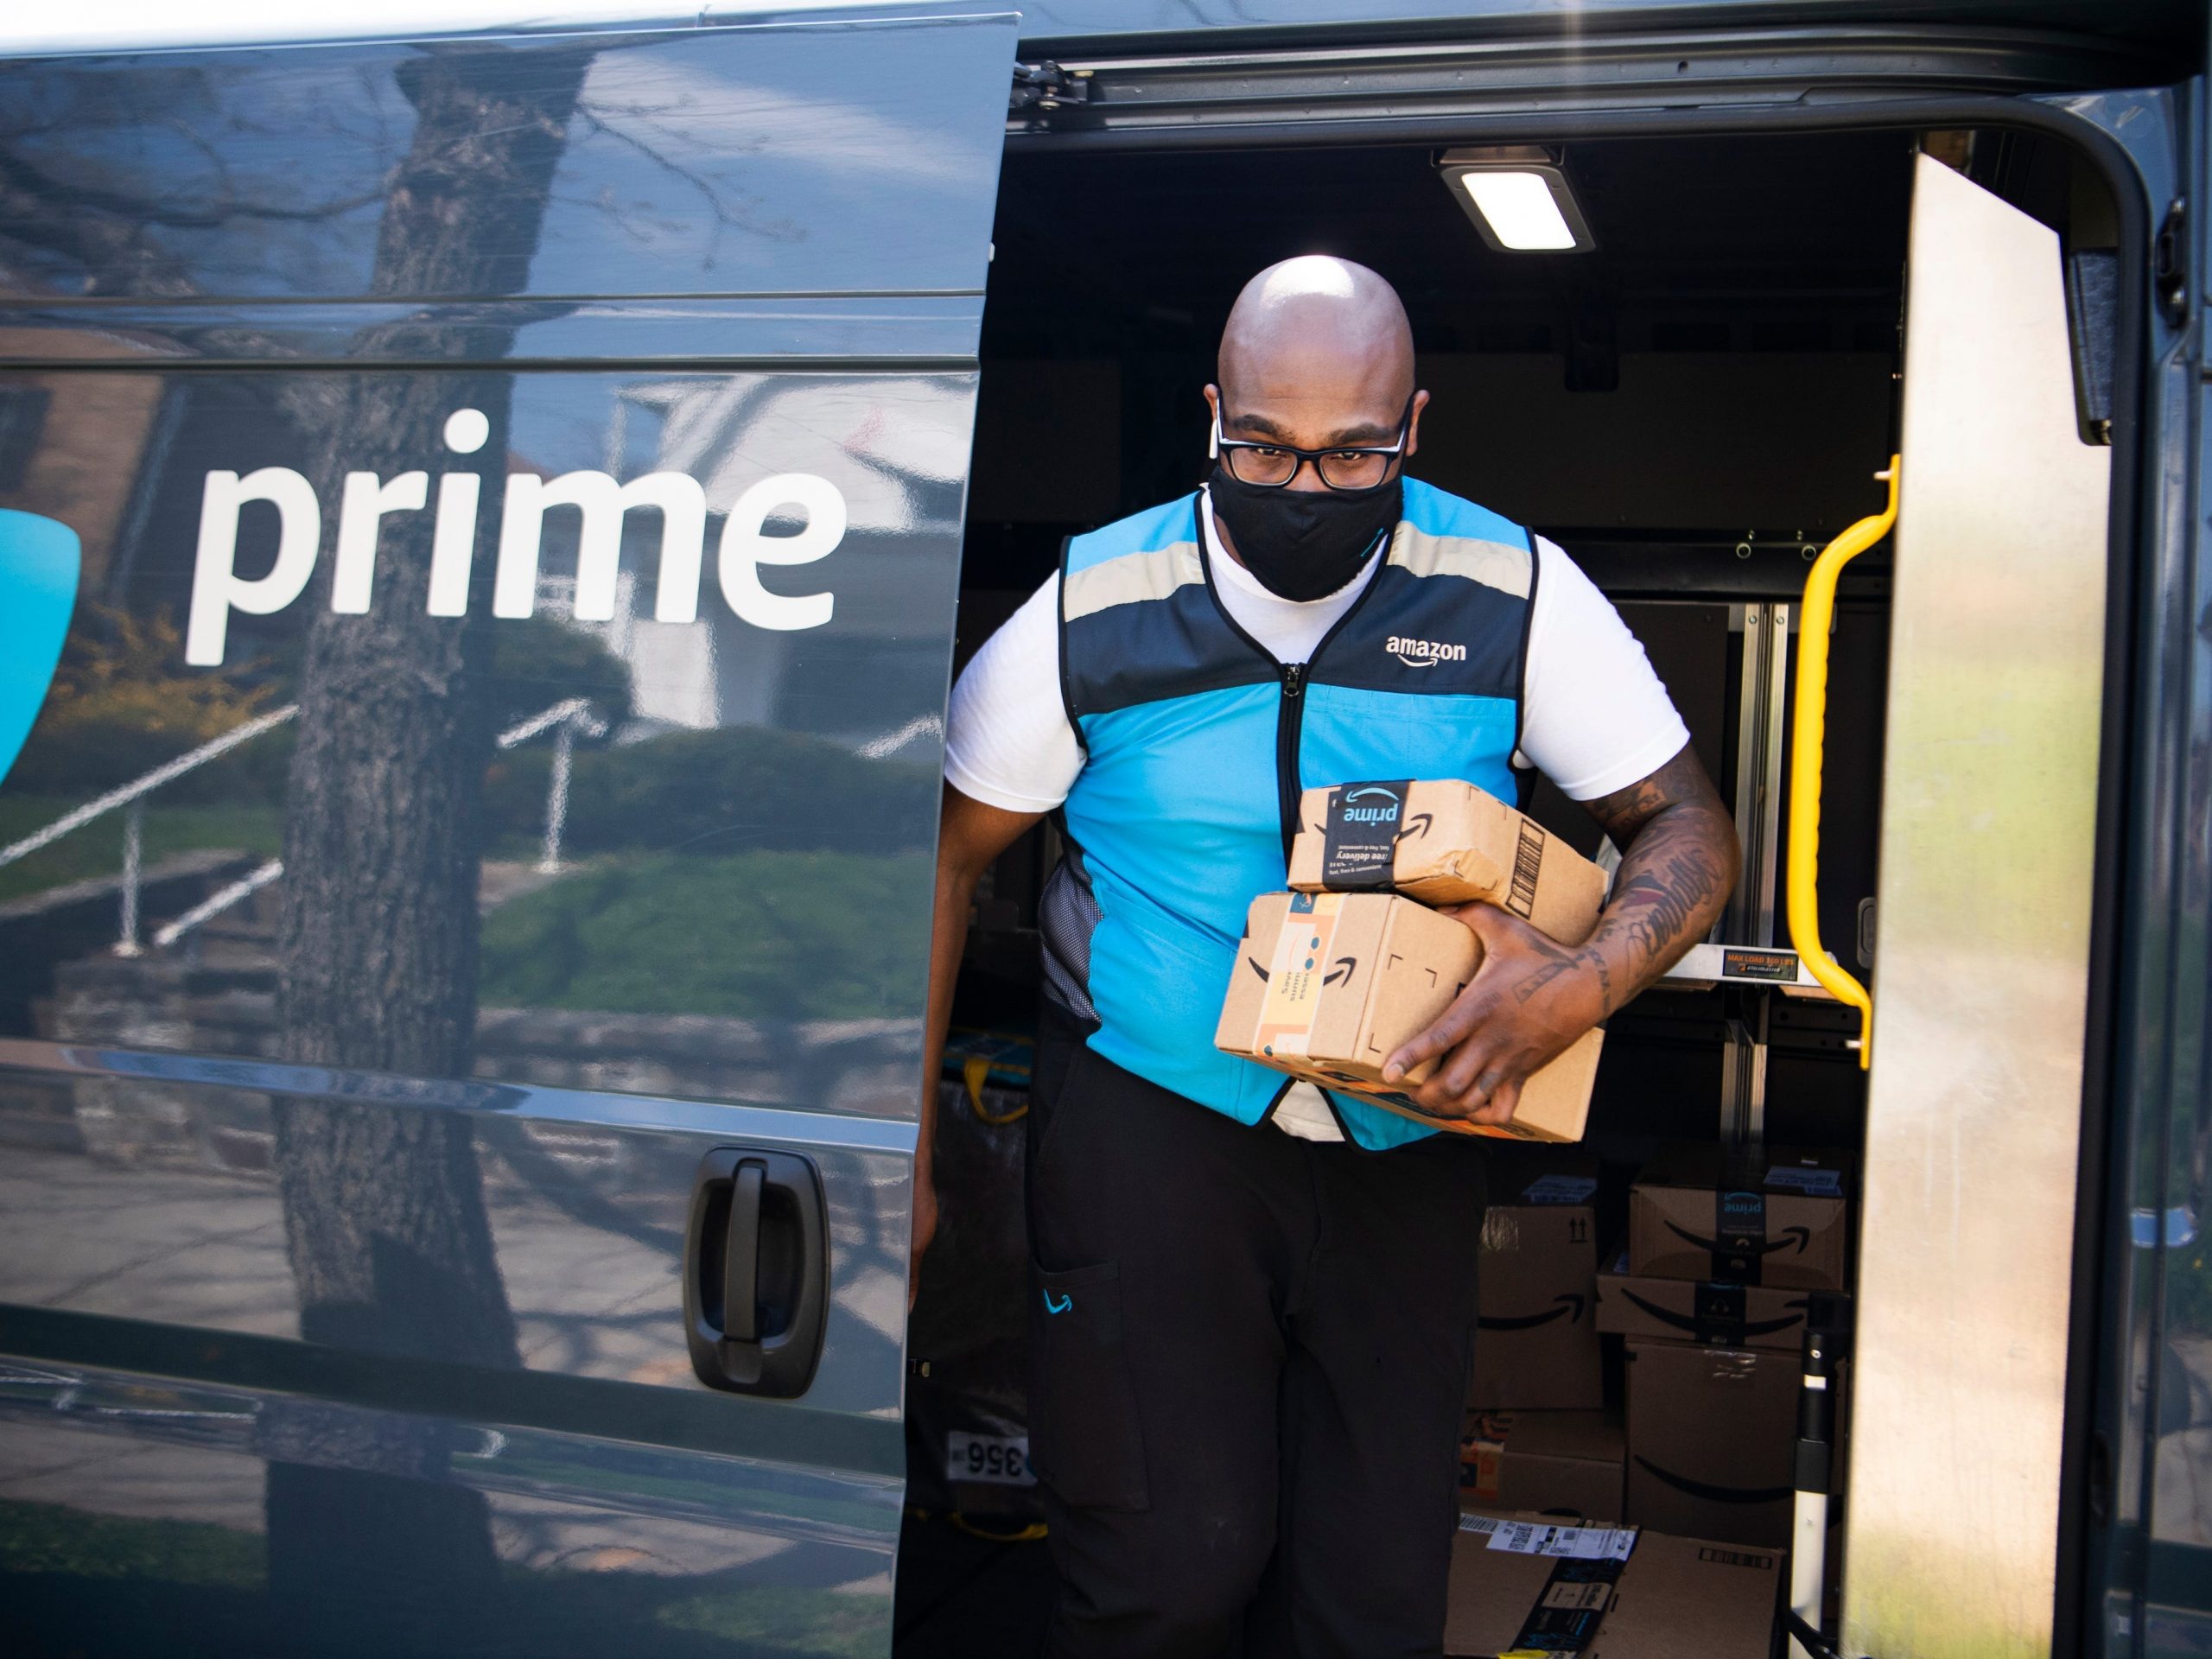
1813	624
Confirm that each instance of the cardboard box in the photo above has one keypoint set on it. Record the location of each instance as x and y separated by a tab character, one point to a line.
1327	986
1536	1343
1711	1440
1444	842
1612	1593
1700	1311
1783	1220
1550	1463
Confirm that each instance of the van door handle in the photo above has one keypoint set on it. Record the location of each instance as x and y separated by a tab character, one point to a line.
741	1255
756	1272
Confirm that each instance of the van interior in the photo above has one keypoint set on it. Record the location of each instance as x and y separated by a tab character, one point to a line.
1693	409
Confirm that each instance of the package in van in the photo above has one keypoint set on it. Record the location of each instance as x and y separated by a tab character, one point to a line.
1546	1462
1711	1440
1444	842
1536	1345
1780	1219
1707	1312
1327	986
1525	1583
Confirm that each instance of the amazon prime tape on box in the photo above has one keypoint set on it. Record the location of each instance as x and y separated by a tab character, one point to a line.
1444	842
1327	986
1780	1219
1709	1312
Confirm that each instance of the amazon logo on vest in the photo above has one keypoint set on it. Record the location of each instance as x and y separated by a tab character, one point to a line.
39	559
1423	653
217	589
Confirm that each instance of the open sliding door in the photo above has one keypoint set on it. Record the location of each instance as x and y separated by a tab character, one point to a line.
1988	839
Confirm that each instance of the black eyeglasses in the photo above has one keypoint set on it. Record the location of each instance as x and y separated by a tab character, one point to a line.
1272	466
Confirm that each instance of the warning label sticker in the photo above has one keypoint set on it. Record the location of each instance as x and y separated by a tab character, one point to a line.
1296	974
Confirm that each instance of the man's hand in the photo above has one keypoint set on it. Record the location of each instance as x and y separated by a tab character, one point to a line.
1531	999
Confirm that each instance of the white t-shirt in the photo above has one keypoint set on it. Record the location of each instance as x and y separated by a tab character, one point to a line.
1594	717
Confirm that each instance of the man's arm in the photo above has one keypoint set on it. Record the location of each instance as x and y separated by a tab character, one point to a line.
970	836
1532	998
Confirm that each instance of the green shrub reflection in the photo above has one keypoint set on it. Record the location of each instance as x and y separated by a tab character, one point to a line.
732	790
758	936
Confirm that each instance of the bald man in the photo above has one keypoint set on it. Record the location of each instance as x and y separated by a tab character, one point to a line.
1253	1303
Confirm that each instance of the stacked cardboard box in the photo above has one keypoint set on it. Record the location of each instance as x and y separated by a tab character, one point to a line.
1331	978
1523	1583
1553	1463
1444	842
1537	1343
1783	1220
1712	1296
1710	1435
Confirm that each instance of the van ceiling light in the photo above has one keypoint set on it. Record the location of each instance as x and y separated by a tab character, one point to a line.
1519	199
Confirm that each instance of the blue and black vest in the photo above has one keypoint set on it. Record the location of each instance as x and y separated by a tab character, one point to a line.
1197	742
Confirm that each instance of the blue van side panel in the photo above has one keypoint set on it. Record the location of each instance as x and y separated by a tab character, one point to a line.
343	1209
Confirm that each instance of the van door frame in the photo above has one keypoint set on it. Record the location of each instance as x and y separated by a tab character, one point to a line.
2135	157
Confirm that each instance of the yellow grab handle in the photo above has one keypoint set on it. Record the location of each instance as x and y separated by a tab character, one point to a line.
1813	626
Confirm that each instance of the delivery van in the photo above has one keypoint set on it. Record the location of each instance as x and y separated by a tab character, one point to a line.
489	502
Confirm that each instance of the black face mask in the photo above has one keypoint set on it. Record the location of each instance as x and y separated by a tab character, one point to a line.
1304	544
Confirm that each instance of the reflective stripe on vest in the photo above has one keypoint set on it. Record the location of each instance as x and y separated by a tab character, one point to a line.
1194	738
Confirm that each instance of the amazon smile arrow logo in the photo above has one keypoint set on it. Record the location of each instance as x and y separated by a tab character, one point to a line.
39	561
1793	1238
1570	1305
1711	1493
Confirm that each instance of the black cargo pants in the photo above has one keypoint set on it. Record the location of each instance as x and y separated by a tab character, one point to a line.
1248	1359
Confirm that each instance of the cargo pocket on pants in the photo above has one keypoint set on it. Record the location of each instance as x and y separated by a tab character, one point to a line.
1083	1433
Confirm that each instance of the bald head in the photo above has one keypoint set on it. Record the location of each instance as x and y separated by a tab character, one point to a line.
1317	352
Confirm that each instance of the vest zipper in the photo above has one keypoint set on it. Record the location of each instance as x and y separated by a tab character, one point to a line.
1290	717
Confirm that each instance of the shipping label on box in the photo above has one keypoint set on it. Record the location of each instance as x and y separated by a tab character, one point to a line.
1328	986
1444	842
1711	1439
1700	1311
1782	1221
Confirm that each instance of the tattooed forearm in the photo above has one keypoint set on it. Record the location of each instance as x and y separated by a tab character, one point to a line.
1678	866
1558	962
1534	996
